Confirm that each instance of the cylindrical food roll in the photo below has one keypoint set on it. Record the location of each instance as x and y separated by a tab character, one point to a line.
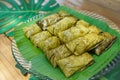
49	20
94	29
82	22
83	44
74	63
92	40
62	25
63	14
31	30
49	43
40	37
77	46
58	53
73	33
108	40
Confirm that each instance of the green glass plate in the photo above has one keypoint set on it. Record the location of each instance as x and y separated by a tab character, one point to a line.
41	66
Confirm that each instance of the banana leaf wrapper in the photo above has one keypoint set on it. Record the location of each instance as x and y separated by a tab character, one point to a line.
62	25
79	30
94	29
58	53
49	20
74	63
82	22
107	42
31	30
83	44
63	14
73	33
92	40
49	43
41	36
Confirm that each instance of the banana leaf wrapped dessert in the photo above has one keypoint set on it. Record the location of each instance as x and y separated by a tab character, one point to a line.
92	40
108	40
80	29
75	63
63	14
83	44
57	53
49	43
62	25
82	22
73	33
49	20
31	30
94	29
41	36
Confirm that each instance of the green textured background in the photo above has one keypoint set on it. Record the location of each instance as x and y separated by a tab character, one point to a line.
13	12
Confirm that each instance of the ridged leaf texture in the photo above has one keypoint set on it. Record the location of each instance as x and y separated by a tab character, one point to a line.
14	12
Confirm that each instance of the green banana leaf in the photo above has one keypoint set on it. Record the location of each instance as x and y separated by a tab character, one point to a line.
42	66
13	12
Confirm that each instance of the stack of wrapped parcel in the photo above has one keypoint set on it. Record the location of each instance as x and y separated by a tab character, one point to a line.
67	41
